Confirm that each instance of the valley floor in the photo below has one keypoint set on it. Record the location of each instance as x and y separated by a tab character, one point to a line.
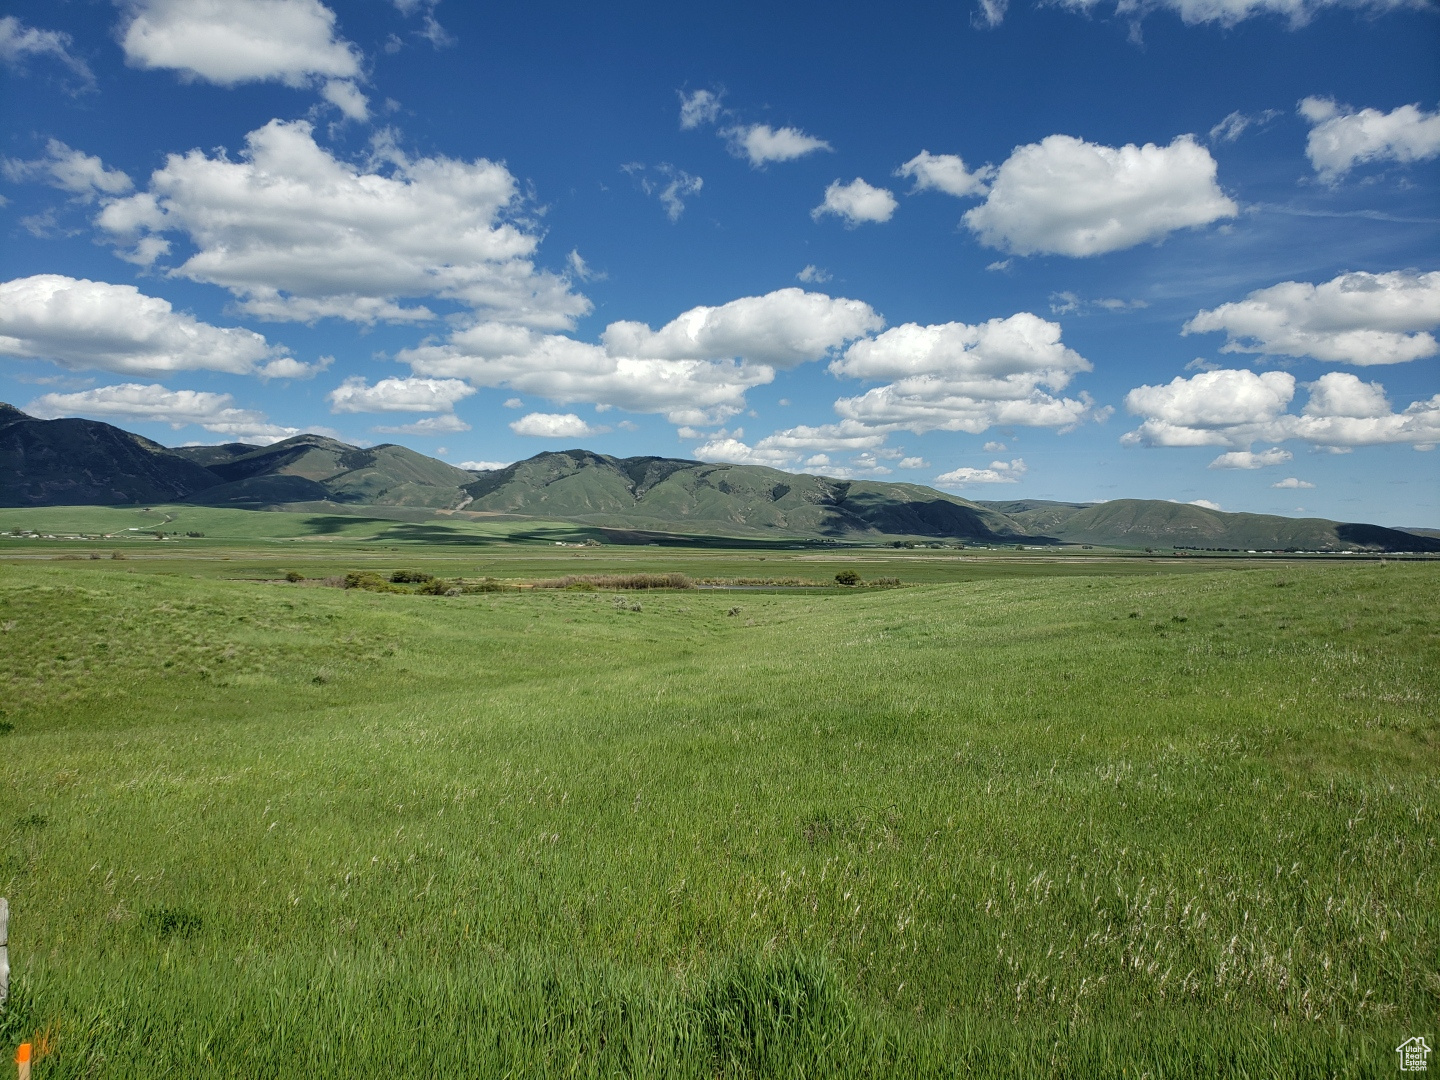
1066	824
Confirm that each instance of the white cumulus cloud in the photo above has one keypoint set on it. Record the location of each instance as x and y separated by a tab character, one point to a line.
1237	408
1341	139
959	377
484	466
1249	459
761	144
346	97
1291	483
153	403
83	175
554	426
1212	408
446	424
354	395
999	472
856	202
1066	196
781	328
1356	318
686	391
947	173
82	324
228	42
804	446
296	234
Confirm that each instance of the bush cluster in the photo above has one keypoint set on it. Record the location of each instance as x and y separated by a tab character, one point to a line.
370	582
617	581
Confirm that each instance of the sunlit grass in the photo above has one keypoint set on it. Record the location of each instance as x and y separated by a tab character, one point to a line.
1068	826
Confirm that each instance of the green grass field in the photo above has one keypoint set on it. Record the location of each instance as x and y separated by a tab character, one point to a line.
1027	817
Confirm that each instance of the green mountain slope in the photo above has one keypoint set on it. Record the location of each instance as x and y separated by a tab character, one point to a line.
312	468
666	492
1039	515
81	462
1149	522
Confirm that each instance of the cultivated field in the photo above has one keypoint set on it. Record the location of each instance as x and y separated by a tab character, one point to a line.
1025	816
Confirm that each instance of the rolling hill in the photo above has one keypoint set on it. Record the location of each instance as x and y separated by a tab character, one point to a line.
652	492
79	462
312	468
1149	522
85	462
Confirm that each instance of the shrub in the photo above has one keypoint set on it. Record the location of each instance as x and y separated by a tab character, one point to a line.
433	587
411	577
369	581
847	577
294	575
484	585
117	555
884	582
618	581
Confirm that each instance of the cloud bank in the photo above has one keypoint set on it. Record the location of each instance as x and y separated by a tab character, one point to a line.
1358	318
296	234
1237	408
1065	196
82	324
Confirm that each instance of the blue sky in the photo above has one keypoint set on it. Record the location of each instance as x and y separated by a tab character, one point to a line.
1186	250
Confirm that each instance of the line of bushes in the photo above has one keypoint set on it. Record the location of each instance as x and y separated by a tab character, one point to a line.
616	581
419	582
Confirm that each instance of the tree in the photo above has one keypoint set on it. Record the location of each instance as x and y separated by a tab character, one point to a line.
848	577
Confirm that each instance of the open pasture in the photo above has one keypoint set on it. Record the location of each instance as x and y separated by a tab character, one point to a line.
1087	819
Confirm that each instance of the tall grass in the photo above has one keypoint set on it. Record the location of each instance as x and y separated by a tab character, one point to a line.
1176	826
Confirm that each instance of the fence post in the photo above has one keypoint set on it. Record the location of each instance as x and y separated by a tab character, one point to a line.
4	950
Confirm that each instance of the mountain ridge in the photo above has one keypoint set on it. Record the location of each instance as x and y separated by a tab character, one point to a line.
75	461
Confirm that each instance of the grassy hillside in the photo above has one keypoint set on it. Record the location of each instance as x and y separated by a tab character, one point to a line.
1147	522
74	461
1070	827
43	462
311	468
627	492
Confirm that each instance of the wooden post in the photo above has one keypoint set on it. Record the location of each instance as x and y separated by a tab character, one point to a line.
22	1061
4	950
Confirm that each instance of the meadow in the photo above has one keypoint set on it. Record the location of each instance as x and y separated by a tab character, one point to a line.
1020	817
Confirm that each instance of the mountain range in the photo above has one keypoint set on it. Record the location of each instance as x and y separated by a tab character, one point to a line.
86	462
